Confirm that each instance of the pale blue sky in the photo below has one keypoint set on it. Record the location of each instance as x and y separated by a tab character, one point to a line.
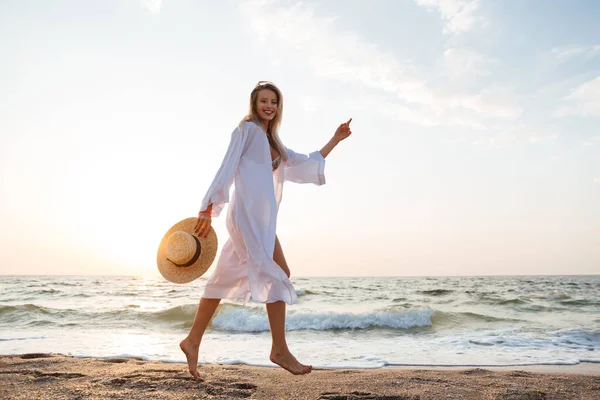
476	145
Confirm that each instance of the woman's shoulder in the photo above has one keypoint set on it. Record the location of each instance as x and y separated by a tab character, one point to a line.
249	126
246	131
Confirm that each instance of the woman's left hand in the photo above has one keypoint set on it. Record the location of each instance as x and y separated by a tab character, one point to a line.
343	131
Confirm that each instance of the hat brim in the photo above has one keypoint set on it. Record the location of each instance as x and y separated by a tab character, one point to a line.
208	245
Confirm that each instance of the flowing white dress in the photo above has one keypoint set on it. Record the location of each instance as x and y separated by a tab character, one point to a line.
245	268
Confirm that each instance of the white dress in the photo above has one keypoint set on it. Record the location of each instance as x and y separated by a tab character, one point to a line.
245	267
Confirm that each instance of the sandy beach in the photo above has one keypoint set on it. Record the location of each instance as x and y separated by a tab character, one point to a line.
55	376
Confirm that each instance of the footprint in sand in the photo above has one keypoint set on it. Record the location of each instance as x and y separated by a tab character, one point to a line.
231	390
30	356
358	396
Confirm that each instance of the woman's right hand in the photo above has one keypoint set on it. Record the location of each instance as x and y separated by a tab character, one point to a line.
204	222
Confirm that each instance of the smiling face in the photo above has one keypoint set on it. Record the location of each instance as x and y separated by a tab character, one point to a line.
266	109
266	106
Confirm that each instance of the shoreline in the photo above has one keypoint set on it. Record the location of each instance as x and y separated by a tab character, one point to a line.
52	376
585	368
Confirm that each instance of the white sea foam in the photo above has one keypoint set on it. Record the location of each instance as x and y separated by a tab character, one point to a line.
239	319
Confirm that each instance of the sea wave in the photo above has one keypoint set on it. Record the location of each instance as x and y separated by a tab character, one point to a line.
555	296
436	292
578	337
574	339
238	318
9	310
35	315
466	319
32	315
579	302
244	319
229	317
21	338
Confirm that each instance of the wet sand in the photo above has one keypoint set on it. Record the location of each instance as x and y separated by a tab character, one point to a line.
55	376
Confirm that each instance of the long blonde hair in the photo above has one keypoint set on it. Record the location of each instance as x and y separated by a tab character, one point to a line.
273	128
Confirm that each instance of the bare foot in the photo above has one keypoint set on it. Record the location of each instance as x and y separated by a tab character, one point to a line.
288	362
191	353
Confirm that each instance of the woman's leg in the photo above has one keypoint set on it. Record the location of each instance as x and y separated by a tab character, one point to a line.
191	344
279	258
280	353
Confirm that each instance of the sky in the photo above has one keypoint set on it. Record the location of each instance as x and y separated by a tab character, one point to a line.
475	147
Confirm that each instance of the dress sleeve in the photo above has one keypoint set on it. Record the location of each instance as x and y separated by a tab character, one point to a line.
301	168
218	192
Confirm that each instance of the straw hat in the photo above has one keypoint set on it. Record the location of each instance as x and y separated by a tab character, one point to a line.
182	255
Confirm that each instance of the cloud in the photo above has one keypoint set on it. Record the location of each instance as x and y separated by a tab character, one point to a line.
518	135
465	63
591	142
501	140
565	53
420	115
494	102
153	5
297	34
459	15
596	180
584	101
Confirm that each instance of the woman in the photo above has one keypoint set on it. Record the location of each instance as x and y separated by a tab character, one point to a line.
252	263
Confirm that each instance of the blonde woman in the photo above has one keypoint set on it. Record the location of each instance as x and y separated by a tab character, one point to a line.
252	263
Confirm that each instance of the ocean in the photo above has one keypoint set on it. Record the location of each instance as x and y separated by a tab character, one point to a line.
337	322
